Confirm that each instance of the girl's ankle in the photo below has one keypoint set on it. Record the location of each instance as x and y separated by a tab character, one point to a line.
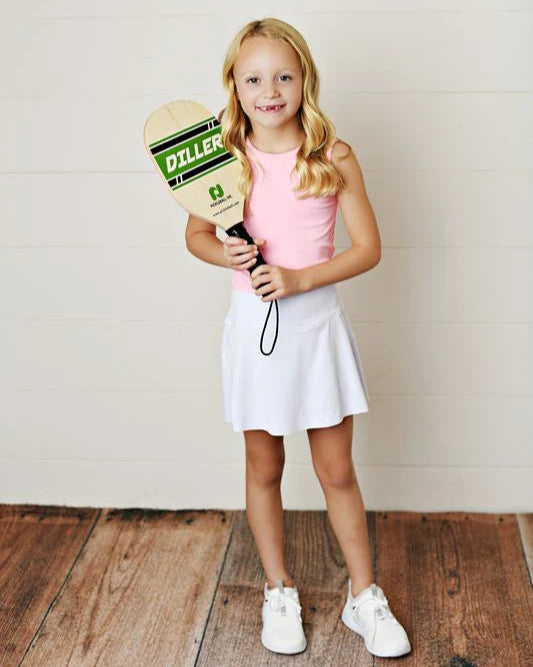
287	582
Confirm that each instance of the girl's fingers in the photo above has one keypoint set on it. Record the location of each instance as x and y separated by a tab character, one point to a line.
247	265
232	241
246	250
238	246
243	262
243	252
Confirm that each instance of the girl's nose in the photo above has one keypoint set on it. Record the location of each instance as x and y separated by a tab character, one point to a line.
271	91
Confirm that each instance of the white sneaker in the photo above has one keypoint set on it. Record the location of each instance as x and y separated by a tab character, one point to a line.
369	615
282	621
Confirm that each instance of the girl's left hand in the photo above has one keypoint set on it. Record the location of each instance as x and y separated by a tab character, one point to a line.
281	282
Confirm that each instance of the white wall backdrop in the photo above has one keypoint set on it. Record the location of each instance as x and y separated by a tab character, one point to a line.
110	379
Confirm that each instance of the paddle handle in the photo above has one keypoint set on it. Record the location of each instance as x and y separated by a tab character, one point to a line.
239	230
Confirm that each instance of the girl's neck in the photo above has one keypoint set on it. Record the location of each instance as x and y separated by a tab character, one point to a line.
276	141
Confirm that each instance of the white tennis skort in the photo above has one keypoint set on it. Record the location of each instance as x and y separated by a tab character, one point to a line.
314	376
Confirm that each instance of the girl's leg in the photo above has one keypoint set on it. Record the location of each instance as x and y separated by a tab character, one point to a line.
331	451
265	459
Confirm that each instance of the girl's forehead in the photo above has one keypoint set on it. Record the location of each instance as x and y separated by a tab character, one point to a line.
257	51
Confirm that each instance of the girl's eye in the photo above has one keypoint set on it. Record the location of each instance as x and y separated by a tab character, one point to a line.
254	77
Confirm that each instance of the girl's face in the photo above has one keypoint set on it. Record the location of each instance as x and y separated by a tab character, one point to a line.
268	72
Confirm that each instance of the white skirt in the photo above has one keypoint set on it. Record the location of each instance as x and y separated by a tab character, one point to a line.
312	379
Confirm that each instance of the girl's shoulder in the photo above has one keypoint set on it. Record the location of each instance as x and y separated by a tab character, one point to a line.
338	150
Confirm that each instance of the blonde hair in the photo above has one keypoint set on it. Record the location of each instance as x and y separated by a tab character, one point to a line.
317	175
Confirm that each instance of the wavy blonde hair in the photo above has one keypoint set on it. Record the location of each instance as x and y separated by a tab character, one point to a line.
317	175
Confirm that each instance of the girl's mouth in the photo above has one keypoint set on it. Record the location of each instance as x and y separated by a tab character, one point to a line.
271	108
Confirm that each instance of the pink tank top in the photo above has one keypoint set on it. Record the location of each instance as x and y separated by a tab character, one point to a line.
298	232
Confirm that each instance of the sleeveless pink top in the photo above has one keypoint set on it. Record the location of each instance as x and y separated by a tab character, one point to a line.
298	232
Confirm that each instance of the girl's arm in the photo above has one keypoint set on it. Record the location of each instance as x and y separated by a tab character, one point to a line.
202	241
360	221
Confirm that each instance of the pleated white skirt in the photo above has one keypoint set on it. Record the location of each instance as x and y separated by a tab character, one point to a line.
314	376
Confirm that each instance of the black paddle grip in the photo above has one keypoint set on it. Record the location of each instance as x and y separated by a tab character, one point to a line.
239	230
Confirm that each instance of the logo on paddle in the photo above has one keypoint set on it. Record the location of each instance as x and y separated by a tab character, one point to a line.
216	192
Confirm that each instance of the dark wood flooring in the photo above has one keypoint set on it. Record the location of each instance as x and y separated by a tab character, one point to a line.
136	588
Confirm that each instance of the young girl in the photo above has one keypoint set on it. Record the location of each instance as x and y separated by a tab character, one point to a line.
295	174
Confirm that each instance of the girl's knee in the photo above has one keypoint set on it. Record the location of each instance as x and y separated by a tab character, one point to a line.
337	476
264	475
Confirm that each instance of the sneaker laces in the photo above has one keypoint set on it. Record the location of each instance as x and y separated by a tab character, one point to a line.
278	599
378	601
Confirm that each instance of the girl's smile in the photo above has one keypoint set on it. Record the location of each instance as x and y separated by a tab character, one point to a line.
271	109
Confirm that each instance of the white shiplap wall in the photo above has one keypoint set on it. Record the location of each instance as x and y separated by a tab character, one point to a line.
110	385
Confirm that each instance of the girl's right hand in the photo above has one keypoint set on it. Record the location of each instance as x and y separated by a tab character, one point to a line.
239	254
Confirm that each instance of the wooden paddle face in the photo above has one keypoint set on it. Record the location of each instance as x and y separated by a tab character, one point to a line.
184	141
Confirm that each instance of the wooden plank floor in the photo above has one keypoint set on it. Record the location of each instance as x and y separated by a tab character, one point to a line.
136	588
